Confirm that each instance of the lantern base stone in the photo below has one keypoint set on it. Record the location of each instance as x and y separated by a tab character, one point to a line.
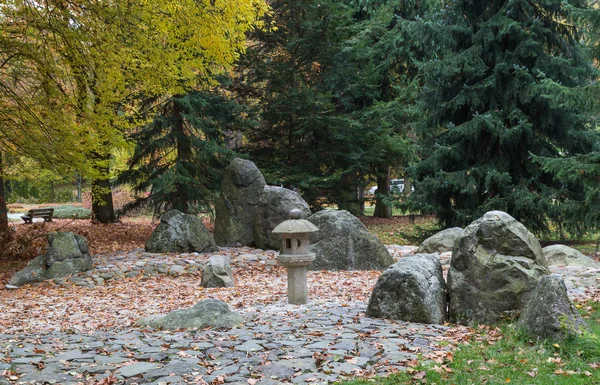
296	275
297	287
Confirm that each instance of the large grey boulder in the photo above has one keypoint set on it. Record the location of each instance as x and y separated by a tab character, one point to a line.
496	264
344	243
440	242
550	314
180	233
413	289
561	255
235	208
274	207
210	312
217	272
67	254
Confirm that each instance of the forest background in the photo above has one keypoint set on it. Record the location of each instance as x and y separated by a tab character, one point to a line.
477	105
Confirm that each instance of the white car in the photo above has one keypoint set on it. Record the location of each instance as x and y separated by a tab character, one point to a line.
396	186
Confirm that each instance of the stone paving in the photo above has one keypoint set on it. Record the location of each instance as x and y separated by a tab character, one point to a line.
318	343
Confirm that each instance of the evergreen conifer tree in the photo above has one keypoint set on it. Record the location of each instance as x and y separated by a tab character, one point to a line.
301	138
181	154
579	172
333	85
488	108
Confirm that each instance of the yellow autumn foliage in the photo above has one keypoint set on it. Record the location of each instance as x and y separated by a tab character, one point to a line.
75	75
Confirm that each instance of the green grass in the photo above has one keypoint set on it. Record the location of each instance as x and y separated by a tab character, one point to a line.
369	210
505	355
71	212
401	230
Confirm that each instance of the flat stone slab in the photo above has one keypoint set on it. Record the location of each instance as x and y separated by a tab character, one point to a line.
135	369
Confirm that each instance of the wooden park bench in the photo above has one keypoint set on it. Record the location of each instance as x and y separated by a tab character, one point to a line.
38	213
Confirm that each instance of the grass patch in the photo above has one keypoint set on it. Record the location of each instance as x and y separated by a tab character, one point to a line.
505	355
369	210
71	212
401	230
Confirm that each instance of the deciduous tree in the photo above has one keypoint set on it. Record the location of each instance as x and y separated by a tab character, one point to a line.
75	71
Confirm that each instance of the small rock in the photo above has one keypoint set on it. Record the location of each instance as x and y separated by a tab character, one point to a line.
217	272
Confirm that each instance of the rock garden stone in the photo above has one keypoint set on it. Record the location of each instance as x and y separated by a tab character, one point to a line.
561	255
496	264
67	254
180	233
344	243
550	314
235	208
274	207
217	272
413	289
440	242
210	312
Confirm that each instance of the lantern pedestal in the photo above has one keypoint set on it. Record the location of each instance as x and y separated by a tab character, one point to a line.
295	255
296	276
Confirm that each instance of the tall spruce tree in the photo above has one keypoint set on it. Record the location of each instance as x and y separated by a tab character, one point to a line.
333	85
488	108
580	172
180	156
376	84
301	139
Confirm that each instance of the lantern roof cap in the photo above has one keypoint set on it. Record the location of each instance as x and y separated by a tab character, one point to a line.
295	225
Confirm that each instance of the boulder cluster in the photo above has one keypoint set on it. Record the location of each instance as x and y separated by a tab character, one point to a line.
247	211
498	271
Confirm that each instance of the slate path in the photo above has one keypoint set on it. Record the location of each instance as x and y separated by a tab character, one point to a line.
317	343
322	342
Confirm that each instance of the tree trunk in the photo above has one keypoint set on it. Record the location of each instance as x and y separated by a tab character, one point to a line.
52	192
383	190
79	183
361	199
4	230
407	186
102	204
348	196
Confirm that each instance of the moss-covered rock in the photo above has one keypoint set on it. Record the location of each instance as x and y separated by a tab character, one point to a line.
550	314
210	312
235	208
413	289
67	254
180	233
274	207
440	242
561	255
344	243
496	264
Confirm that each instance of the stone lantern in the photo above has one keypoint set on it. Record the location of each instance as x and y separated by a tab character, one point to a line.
295	255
